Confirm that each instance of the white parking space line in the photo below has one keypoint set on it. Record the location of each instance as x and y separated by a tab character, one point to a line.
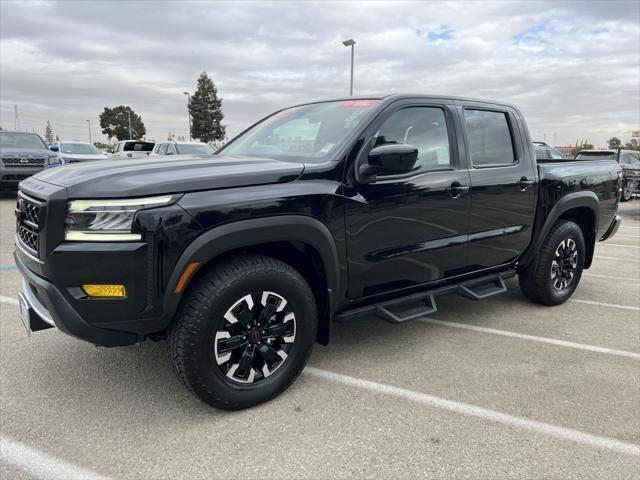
624	259
605	244
9	300
42	465
604	443
612	277
602	304
534	338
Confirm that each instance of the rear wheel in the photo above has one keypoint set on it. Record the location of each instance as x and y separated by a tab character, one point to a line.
244	332
553	277
627	191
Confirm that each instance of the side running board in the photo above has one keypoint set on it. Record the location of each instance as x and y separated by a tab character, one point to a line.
417	305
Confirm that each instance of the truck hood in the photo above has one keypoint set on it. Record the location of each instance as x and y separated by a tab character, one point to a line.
154	176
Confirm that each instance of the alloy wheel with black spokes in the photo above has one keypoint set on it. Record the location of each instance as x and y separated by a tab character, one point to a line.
564	265
255	338
244	331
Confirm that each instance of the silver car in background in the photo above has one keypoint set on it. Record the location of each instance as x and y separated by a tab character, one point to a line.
171	147
74	152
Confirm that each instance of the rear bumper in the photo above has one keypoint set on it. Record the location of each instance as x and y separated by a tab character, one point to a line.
613	228
51	307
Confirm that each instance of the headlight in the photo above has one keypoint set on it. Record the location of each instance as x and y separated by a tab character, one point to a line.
108	220
54	162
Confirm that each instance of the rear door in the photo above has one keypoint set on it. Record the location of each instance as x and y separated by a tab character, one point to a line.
410	229
503	184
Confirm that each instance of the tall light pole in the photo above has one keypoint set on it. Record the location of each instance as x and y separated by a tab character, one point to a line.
89	122
129	112
350	43
188	111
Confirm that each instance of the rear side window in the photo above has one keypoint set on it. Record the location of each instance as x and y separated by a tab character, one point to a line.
162	149
489	138
138	146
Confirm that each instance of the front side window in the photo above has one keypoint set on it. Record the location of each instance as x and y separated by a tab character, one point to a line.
489	138
162	149
171	149
304	132
423	127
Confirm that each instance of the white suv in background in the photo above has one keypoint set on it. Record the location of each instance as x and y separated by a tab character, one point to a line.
132	149
171	147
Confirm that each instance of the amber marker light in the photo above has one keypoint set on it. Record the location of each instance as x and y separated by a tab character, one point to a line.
105	291
184	277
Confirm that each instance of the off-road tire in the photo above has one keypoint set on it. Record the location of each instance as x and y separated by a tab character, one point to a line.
536	282
201	315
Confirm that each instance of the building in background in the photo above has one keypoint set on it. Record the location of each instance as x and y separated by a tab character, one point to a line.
565	150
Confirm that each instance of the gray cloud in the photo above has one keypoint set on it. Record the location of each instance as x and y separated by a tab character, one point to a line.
577	77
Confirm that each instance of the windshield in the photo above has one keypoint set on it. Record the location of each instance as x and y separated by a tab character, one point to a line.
308	131
195	149
79	148
21	140
596	156
138	146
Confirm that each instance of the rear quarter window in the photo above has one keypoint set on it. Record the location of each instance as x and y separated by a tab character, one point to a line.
489	134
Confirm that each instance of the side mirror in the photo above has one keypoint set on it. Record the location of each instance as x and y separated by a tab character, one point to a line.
54	148
393	158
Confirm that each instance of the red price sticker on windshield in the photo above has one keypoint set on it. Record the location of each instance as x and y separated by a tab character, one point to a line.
358	103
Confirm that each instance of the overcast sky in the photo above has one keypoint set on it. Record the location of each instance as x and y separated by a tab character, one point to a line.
572	67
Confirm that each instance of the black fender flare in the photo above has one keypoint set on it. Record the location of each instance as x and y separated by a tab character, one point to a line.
246	233
570	201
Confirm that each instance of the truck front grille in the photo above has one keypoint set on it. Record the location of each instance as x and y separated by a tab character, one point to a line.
24	162
28	217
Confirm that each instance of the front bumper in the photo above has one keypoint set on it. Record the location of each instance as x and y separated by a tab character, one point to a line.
613	228
52	308
10	176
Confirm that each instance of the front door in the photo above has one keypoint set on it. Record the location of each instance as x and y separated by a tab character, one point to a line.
410	229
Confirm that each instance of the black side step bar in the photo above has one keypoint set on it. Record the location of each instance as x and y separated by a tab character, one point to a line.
417	305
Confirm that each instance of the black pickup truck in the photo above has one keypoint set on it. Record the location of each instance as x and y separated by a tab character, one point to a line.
320	212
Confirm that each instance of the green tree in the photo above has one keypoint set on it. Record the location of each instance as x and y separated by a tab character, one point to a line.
48	134
633	144
614	143
206	113
115	123
101	145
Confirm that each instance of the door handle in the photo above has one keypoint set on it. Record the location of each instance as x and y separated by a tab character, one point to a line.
456	189
525	183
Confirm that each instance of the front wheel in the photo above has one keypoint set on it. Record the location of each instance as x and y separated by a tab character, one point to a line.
553	277
244	332
627	191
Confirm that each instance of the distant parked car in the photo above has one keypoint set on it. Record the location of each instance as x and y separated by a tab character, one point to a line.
73	152
547	152
23	154
629	160
182	148
132	149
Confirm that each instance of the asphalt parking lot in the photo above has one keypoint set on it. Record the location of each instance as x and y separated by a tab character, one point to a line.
492	389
